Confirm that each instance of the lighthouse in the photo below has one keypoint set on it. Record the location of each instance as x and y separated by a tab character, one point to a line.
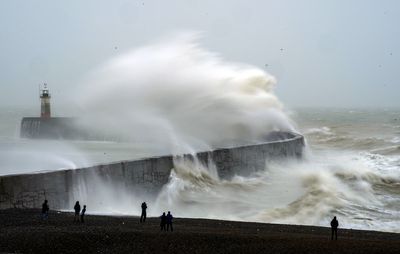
45	102
48	127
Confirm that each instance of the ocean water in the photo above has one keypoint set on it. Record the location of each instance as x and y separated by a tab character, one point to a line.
350	169
357	152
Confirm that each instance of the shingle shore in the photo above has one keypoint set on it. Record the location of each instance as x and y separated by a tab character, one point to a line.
22	231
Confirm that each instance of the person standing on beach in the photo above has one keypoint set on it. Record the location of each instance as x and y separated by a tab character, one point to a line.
169	221
83	214
45	210
143	216
334	226
77	209
163	221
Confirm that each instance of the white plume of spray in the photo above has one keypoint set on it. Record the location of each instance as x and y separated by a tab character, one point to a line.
176	97
180	96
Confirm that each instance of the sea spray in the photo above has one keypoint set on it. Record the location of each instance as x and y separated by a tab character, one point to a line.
296	192
177	95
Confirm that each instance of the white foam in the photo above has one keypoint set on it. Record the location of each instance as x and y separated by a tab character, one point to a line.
323	130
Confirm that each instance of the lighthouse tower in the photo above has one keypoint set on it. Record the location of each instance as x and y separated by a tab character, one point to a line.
45	102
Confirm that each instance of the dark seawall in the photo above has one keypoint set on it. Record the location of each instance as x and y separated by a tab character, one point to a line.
140	177
54	128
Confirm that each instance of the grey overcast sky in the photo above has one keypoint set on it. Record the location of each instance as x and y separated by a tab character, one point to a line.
342	53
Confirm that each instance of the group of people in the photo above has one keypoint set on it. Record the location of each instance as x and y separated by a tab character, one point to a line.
77	208
166	219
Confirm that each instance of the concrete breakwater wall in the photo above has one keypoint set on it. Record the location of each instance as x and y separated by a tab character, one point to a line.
144	177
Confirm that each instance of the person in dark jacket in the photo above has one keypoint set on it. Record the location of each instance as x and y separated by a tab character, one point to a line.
83	214
45	210
77	209
163	221
334	226
169	221
143	216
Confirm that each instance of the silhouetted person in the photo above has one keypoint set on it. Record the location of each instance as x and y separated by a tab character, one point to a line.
143	216
83	214
163	221
77	209
45	210
169	221
334	226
